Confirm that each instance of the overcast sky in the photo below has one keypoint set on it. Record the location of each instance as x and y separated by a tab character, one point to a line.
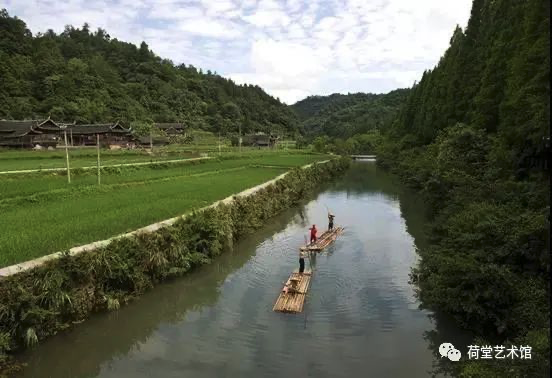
291	48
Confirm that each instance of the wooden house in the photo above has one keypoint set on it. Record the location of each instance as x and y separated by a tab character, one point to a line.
111	134
261	140
174	132
171	128
29	134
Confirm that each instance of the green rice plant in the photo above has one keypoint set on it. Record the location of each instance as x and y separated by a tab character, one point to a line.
23	186
38	228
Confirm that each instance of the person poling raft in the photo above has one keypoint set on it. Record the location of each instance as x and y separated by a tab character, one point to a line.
328	237
293	295
330	221
313	232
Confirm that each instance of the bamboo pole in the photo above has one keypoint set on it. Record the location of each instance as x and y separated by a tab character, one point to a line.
67	157
98	160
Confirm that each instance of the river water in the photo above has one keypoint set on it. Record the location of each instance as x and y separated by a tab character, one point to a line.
361	318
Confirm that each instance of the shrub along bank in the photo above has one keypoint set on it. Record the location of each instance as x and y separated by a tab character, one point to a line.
487	262
41	302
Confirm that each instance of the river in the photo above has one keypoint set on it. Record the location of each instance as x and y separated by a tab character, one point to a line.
361	317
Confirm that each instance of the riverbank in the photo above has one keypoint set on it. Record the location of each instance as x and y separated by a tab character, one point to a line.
487	262
50	298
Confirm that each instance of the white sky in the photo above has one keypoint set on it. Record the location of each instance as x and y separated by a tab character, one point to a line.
291	48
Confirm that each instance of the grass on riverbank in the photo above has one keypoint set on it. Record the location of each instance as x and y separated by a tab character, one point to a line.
41	215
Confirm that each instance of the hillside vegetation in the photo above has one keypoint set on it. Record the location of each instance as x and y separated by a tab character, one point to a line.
86	76
343	116
473	137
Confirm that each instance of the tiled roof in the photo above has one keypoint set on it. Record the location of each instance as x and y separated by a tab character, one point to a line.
164	126
98	128
15	129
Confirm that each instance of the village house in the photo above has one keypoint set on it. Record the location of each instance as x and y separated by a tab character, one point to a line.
171	128
111	134
174	132
29	133
262	140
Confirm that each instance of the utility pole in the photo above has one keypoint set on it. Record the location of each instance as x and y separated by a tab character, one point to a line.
67	157
151	143
98	161
240	137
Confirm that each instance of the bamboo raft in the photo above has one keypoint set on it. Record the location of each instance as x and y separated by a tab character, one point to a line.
294	299
327	238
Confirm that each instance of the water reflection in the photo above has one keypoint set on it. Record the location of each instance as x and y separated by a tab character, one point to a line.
361	317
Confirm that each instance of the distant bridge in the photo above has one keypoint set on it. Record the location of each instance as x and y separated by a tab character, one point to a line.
363	157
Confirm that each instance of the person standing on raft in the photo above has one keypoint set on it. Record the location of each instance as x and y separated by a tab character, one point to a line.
330	221
301	262
313	232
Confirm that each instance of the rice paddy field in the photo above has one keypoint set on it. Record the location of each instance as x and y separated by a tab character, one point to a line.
40	213
13	160
27	160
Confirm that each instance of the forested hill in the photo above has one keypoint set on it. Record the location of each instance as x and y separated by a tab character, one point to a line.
87	76
494	76
313	105
473	136
343	116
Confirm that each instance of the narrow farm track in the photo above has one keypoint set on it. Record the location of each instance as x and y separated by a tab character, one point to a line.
24	171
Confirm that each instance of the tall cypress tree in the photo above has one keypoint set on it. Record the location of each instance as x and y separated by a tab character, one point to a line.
525	111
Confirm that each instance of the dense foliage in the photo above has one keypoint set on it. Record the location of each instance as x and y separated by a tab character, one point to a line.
87	76
343	116
41	302
357	144
472	137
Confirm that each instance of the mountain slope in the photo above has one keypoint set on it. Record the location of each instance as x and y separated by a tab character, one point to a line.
90	77
343	116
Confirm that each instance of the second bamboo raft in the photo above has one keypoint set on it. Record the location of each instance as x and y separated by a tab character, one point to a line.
327	238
